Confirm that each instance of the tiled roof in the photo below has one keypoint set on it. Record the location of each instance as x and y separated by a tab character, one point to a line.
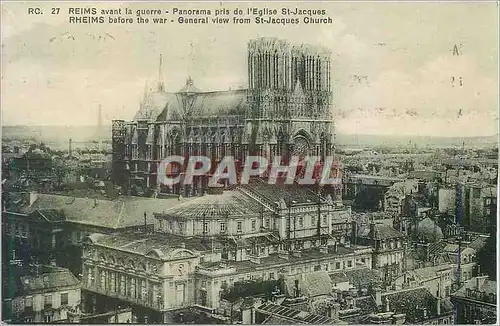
363	277
366	304
381	232
41	279
338	277
478	243
436	248
292	315
409	302
229	203
120	213
311	284
272	193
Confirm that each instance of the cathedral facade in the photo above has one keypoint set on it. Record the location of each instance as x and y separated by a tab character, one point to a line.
285	111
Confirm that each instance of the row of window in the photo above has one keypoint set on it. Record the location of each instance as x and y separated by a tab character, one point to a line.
239	225
47	301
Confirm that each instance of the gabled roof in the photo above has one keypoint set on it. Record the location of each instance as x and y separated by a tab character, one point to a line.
114	214
39	279
191	103
380	232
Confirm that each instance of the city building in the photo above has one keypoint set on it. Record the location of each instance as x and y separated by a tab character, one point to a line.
473	205
285	111
396	194
388	244
461	257
39	294
49	228
436	279
406	306
207	244
476	301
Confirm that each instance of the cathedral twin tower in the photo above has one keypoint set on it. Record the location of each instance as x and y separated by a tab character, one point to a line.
275	64
285	111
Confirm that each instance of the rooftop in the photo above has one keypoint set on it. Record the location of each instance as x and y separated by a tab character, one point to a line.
286	259
361	278
479	288
411	302
162	246
310	284
272	193
293	316
427	273
229	203
380	232
162	106
37	279
113	214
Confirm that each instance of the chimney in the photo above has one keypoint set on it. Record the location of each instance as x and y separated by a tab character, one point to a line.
145	223
378	296
334	311
438	306
387	306
70	149
33	197
372	228
354	232
480	281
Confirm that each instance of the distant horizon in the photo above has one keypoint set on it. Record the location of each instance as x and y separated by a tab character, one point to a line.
337	133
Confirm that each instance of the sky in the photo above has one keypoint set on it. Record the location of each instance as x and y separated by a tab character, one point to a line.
56	73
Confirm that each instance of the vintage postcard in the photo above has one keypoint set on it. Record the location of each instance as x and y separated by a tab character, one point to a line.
249	162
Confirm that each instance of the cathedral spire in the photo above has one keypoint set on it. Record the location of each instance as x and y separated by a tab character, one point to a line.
161	87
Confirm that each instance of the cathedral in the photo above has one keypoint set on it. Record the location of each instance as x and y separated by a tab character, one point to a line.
284	112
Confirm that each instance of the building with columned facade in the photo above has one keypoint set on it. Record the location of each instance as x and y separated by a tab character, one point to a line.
204	245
